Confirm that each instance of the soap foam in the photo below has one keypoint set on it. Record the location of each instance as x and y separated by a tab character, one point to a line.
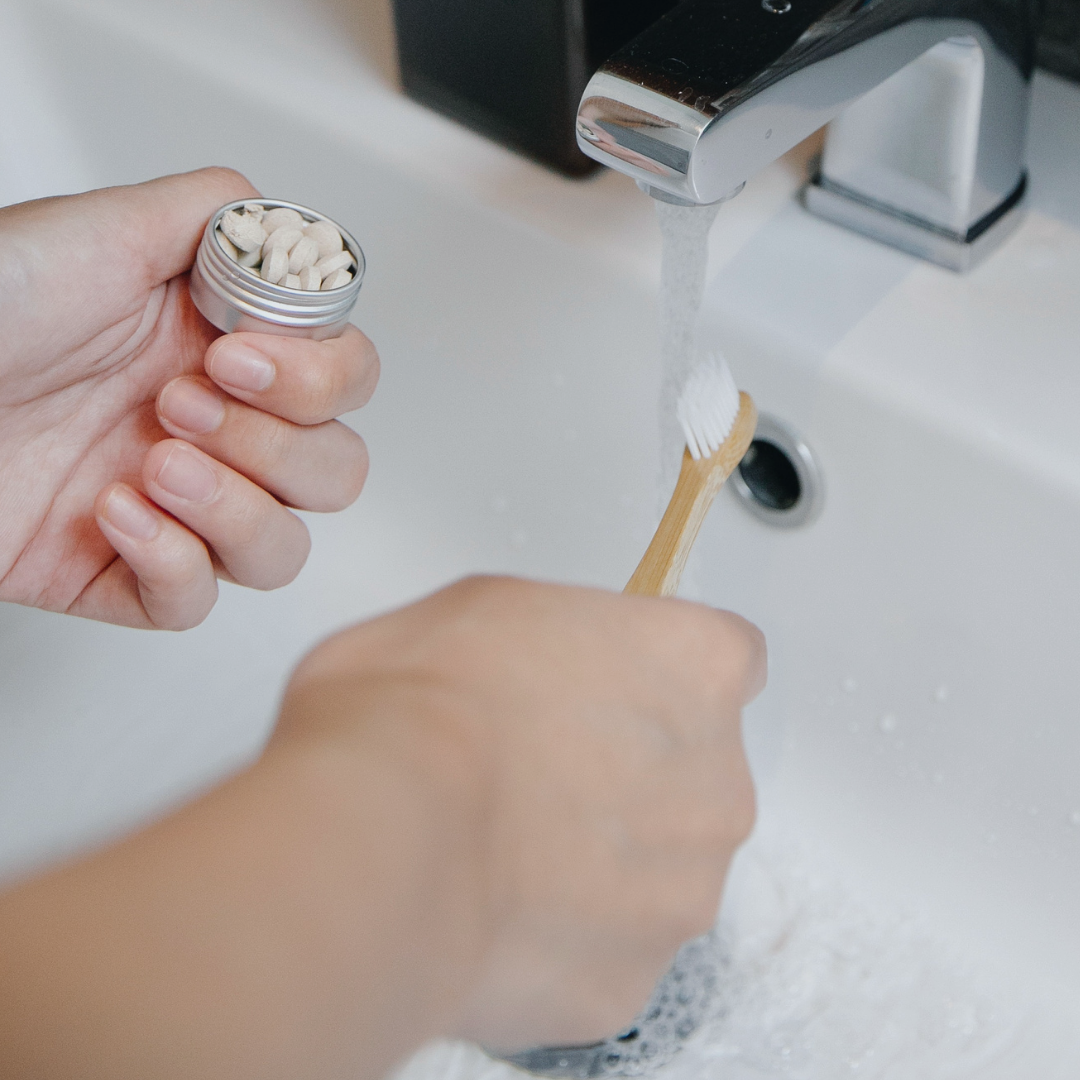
803	980
817	984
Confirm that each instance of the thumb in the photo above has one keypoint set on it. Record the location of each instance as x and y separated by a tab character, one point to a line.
130	239
165	218
103	251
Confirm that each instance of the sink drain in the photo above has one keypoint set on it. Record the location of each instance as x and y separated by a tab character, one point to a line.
779	480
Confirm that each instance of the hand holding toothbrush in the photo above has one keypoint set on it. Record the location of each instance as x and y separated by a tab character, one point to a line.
494	814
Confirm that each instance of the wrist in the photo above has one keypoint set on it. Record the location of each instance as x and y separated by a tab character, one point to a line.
314	915
396	780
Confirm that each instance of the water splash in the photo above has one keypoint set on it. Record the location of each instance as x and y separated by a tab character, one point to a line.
811	983
680	1003
818	984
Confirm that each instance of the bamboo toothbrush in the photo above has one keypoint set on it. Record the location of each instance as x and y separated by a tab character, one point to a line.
718	421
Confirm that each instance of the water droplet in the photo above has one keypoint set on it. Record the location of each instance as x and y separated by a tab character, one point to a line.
888	722
941	694
776	7
849	685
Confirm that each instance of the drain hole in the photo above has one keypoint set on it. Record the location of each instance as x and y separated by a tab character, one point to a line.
770	475
778	480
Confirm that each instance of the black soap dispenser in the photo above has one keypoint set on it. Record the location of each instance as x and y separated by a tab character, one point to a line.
515	70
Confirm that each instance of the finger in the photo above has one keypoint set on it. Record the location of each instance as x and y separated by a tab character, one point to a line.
745	651
726	650
175	576
166	217
322	467
259	543
104	250
307	382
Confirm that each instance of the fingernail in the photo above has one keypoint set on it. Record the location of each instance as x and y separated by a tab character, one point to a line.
191	406
186	477
241	366
127	513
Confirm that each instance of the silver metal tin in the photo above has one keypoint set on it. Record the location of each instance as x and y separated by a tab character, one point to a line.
233	297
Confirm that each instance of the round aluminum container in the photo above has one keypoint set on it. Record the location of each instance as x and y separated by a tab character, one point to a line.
233	297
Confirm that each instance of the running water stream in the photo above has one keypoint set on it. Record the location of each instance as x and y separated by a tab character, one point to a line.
683	264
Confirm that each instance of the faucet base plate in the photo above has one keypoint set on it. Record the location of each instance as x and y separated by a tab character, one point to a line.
955	251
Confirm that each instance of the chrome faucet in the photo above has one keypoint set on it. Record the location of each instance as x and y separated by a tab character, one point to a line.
927	100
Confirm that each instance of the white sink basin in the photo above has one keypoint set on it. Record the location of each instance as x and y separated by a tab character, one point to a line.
908	907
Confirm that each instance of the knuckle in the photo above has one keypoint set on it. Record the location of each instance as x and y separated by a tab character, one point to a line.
183	592
247	524
733	651
322	660
351	481
296	547
370	367
184	619
484	610
346	474
476	588
276	447
283	566
321	391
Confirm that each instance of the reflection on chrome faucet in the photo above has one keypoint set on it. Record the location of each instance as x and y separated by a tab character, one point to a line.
928	100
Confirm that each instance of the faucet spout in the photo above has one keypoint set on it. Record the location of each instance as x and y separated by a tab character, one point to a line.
931	97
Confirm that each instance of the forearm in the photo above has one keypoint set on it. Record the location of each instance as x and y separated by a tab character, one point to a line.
309	918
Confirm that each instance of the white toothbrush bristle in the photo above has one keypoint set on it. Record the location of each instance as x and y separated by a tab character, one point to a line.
707	406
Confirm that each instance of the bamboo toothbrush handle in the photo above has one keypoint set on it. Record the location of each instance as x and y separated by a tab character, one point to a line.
699	483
